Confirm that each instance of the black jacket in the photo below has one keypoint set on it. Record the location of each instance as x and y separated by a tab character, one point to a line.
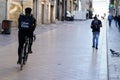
95	25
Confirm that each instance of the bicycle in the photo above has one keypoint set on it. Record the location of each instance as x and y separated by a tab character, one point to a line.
25	51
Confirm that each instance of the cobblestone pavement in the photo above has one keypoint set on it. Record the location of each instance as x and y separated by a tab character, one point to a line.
62	51
113	43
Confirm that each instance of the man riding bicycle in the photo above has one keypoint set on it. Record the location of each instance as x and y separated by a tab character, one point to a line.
26	26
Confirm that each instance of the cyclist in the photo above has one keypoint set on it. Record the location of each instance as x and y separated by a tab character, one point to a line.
26	26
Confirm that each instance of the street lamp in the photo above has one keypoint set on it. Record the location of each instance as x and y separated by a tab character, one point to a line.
22	5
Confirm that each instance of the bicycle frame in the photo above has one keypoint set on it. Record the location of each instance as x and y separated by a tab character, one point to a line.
24	52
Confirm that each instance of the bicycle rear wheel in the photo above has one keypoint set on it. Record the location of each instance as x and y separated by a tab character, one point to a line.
22	61
22	58
21	65
26	53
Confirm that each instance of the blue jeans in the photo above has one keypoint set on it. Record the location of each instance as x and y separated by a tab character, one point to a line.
118	26
110	21
116	23
95	38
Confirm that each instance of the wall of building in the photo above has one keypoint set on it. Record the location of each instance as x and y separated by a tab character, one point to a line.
84	5
15	9
3	10
70	5
59	9
42	10
53	11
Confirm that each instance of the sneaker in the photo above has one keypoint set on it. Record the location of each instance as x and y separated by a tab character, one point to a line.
93	46
18	62
30	51
96	47
24	62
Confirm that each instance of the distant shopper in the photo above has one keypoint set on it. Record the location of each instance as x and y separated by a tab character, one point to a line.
95	26
110	17
118	22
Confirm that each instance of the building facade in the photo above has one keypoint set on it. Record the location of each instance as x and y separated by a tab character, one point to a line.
86	5
114	7
43	10
3	12
62	6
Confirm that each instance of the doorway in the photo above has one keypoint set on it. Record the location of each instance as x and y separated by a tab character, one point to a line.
51	14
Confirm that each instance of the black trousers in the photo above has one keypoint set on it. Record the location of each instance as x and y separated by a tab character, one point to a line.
21	40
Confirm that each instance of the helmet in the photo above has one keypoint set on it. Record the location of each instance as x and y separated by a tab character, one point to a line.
28	10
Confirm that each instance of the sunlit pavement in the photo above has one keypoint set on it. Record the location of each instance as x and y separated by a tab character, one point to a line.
62	51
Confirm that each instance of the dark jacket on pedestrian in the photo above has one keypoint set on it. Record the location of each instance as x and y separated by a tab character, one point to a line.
96	24
118	19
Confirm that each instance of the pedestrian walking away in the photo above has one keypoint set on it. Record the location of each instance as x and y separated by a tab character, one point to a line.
26	26
95	26
118	23
116	20
110	18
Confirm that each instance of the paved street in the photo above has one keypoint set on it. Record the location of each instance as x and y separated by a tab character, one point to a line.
114	61
62	51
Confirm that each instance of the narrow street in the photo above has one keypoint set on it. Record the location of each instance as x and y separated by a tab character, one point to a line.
62	51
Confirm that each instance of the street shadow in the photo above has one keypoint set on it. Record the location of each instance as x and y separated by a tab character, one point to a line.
94	51
94	57
94	63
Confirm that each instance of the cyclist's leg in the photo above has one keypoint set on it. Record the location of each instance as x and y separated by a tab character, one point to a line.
93	40
30	42
97	38
21	40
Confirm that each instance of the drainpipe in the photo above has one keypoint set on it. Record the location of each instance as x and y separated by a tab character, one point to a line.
63	10
35	8
70	6
7	9
22	5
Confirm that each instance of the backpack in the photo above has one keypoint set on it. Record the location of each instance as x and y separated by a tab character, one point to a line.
96	24
25	22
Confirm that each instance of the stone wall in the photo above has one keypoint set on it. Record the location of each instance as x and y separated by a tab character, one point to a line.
2	11
16	9
43	11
